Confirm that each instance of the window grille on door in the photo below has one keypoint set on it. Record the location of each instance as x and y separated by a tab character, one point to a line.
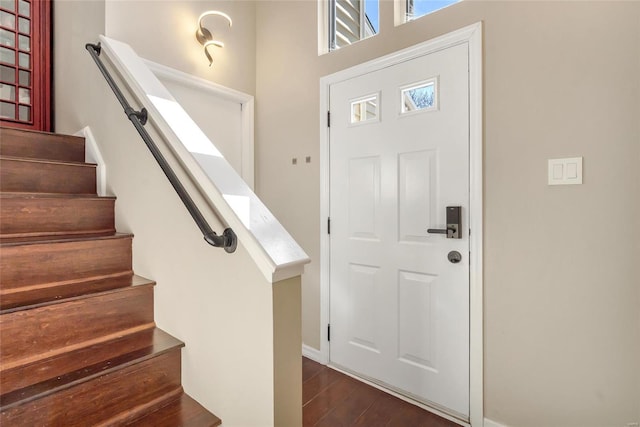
25	64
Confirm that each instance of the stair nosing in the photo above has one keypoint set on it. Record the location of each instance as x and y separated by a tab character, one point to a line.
79	238
57	162
214	420
148	282
141	412
45	133
57	196
143	282
77	346
175	346
34	234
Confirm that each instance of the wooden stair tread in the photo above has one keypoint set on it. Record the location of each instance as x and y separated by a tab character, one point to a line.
72	368
49	161
78	341
183	412
28	195
41	240
44	295
109	399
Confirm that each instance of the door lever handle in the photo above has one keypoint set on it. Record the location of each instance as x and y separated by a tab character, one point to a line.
450	231
454	220
437	230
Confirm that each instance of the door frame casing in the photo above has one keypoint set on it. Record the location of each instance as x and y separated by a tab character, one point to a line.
471	35
210	89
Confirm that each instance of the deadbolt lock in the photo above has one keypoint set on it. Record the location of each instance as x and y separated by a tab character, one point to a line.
454	257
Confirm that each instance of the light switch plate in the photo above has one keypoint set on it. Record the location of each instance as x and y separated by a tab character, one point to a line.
565	171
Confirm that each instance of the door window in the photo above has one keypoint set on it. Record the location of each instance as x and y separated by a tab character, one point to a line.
24	64
422	96
365	109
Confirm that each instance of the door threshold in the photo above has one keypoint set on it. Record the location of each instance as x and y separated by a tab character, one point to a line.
387	389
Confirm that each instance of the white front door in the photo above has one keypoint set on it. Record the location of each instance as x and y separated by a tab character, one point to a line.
399	156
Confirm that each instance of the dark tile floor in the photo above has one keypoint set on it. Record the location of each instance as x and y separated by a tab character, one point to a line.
332	399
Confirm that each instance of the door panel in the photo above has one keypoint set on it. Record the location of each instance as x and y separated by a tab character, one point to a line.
364	198
416	312
418	183
399	309
364	282
25	64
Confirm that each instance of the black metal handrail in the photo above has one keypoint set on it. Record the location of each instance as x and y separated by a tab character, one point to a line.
228	240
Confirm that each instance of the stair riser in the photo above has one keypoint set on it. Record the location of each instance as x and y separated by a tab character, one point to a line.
35	264
78	343
21	217
37	145
23	176
111	399
65	369
30	335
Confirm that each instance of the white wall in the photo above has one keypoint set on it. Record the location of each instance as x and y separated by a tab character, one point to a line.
163	31
562	285
562	282
220	305
220	119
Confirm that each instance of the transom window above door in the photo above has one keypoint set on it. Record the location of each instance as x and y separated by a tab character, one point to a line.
415	9
351	21
345	22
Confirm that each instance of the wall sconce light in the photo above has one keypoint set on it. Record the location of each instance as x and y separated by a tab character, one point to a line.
205	37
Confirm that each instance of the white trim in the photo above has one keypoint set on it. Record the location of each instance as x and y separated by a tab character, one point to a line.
476	209
472	35
92	155
246	102
197	82
325	246
399	13
248	143
461	36
312	353
491	423
323	27
275	252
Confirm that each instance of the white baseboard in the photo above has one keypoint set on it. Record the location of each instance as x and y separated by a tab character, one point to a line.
311	353
491	423
93	155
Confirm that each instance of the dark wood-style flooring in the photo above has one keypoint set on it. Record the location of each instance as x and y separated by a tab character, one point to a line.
332	399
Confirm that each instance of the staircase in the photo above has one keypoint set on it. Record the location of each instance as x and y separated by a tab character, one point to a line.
78	342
